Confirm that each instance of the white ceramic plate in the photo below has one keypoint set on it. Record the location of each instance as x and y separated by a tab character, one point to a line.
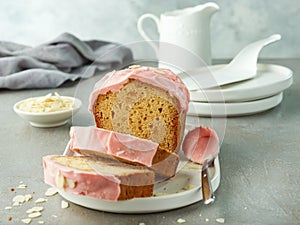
182	190
234	108
270	80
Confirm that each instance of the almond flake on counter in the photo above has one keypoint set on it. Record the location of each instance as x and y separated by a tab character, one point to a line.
35	209
8	208
22	186
26	221
220	220
34	215
64	204
180	220
28	197
40	200
51	191
206	220
41	222
18	200
142	224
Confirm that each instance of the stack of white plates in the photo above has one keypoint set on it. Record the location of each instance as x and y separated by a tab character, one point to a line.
258	94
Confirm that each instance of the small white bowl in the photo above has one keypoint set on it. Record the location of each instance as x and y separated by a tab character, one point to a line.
48	119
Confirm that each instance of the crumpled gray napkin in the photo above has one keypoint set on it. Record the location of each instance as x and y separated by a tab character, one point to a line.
51	64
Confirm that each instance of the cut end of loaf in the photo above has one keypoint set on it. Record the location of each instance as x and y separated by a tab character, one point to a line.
141	110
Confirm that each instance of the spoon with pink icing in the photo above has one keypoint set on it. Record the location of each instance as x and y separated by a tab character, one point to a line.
201	145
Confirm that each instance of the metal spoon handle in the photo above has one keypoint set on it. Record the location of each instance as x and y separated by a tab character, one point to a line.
207	191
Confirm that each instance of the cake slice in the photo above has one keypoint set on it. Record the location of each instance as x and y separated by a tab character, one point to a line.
150	103
112	180
124	147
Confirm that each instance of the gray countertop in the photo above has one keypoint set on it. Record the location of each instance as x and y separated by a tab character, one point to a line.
259	158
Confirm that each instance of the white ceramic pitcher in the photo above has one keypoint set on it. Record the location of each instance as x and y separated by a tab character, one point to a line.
187	28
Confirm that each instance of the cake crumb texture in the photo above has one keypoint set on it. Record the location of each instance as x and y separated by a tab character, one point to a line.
141	110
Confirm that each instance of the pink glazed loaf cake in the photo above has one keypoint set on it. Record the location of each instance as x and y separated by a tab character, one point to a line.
113	180
150	103
140	117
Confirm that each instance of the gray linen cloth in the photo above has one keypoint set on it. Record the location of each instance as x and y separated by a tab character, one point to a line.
51	64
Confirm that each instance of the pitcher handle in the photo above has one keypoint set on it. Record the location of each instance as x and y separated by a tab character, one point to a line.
141	29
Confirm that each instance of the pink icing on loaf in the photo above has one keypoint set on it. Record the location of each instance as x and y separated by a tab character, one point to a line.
200	144
88	183
159	77
92	140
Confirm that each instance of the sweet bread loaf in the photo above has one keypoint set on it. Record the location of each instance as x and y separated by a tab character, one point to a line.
113	180
150	103
124	147
146	106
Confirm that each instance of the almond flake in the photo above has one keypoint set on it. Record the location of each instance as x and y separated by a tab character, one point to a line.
40	200
18	199
28	197
220	220
71	183
41	222
22	186
35	209
8	207
34	215
64	204
134	66
16	204
26	221
60	180
118	153
51	191
180	220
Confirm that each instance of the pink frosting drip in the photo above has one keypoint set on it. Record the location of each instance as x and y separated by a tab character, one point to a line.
159	77
92	184
128	147
200	144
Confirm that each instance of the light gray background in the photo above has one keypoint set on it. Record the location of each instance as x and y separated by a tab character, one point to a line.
238	22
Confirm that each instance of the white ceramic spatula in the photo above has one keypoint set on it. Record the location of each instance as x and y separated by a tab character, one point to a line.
242	67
